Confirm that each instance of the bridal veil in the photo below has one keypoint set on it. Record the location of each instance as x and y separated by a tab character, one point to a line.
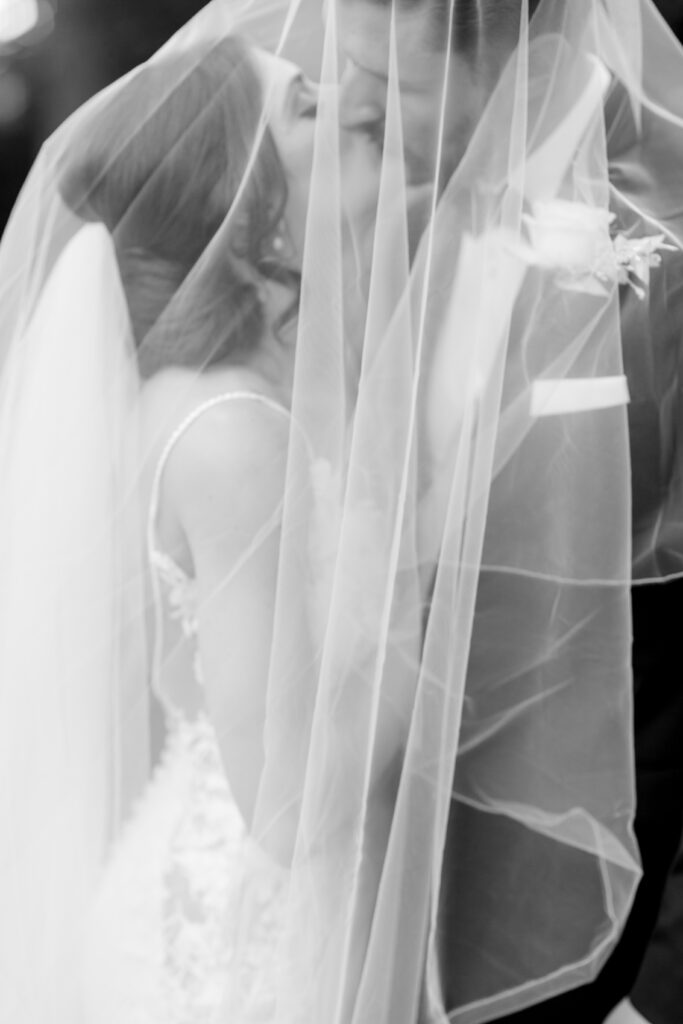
484	453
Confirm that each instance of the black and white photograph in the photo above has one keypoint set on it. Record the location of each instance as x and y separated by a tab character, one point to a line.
341	511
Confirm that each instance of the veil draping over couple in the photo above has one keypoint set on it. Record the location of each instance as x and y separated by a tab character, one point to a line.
315	434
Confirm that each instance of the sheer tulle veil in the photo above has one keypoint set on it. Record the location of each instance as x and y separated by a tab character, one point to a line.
484	453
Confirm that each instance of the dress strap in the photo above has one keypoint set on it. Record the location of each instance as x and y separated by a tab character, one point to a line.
160	563
181	429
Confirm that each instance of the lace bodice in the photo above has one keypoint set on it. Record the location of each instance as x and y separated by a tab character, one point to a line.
181	592
223	898
187	922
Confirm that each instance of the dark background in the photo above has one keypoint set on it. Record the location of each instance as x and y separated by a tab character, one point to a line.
80	47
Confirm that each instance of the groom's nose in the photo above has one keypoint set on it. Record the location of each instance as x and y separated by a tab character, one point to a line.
362	98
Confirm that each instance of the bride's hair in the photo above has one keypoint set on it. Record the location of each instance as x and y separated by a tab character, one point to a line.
161	169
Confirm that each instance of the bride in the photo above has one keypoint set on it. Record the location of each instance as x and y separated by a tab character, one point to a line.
214	424
201	214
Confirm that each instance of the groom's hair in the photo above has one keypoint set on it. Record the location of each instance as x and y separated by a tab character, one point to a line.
493	21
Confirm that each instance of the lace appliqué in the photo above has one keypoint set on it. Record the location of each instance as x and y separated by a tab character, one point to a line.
181	595
223	900
201	871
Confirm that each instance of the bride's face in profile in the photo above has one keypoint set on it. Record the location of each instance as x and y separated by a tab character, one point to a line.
294	103
291	102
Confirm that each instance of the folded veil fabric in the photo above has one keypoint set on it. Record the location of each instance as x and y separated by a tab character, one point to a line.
484	451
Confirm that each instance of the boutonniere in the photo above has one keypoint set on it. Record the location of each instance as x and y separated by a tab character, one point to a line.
577	241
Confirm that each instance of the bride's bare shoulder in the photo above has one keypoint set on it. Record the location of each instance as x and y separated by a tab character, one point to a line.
231	453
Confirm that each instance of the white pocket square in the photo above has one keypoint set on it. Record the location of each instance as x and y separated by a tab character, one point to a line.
577	394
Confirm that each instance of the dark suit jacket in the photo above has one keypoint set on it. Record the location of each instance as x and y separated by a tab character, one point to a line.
647	964
653	358
658	992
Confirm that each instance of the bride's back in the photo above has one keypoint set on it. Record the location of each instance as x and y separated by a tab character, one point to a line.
193	251
215	449
179	403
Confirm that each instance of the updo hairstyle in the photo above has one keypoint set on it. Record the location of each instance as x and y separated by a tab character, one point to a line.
161	167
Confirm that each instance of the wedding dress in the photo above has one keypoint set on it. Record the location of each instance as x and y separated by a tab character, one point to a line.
184	879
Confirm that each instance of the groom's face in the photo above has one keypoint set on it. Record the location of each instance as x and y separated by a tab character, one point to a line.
365	33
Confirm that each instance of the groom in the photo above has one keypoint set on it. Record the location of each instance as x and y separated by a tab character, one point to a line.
365	34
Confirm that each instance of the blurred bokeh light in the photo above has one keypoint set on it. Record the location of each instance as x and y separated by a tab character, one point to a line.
17	19
24	23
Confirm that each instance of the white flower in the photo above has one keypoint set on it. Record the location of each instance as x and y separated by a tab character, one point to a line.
567	235
574	240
